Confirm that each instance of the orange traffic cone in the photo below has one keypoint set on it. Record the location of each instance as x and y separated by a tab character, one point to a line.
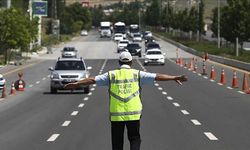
181	62
204	72
223	78
212	74
13	90
191	66
206	56
235	80
3	92
245	86
20	85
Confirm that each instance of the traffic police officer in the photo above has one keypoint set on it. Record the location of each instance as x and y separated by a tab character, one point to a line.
125	103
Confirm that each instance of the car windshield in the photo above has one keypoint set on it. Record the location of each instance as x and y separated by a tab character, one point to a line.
118	35
70	65
153	52
133	46
68	49
137	35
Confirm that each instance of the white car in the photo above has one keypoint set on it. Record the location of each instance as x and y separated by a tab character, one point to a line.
118	37
121	45
137	37
69	52
2	82
84	33
154	56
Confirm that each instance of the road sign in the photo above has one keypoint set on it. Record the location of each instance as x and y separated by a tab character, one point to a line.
40	8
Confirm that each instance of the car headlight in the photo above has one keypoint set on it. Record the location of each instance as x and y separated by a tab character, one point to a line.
54	75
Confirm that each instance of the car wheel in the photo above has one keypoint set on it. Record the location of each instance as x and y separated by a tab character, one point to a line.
53	90
139	55
163	64
86	90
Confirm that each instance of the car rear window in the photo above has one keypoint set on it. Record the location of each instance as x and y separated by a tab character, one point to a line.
123	42
70	65
68	49
153	45
133	45
153	52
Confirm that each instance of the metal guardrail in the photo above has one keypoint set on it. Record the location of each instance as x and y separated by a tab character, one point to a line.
219	59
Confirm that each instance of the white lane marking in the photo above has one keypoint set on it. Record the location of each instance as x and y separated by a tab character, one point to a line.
92	89
53	137
205	77
230	88
194	71
211	136
94	85
241	92
212	80
86	98
74	113
220	84
169	98
66	123
185	112
31	85
199	74
160	88
48	75
176	104
1	99
44	78
37	82
90	93
196	122
156	84
164	93
81	105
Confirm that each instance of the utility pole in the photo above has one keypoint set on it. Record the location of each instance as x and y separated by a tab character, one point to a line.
218	24
198	22
8	4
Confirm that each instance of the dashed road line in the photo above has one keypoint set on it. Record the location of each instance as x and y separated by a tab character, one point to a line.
31	85
230	88
44	78
169	98
195	122
37	82
241	92
164	93
185	112
53	137
81	105
66	123
211	136
74	113
86	98
160	88
94	85
90	93
48	76
92	89
176	104
156	84
205	77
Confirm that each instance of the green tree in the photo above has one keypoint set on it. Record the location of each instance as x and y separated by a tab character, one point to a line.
16	29
153	14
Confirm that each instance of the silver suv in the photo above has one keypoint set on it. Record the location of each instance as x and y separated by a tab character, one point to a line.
68	70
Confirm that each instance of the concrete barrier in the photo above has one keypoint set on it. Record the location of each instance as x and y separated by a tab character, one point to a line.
219	59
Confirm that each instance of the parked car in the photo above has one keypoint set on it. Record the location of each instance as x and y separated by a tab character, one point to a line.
84	33
69	52
121	45
68	70
137	37
134	49
152	45
147	34
154	56
2	81
118	37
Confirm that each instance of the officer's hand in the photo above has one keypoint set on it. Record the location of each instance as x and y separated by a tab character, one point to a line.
71	85
180	79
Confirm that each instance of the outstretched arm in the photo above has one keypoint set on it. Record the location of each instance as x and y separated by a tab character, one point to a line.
165	77
87	81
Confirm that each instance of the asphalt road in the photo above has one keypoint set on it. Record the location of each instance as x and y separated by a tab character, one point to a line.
199	115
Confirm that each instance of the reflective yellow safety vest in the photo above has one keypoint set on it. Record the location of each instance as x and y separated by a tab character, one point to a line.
124	93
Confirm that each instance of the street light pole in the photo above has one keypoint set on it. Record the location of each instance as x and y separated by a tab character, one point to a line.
218	24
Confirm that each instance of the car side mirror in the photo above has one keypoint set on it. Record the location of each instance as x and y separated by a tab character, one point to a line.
89	68
51	69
